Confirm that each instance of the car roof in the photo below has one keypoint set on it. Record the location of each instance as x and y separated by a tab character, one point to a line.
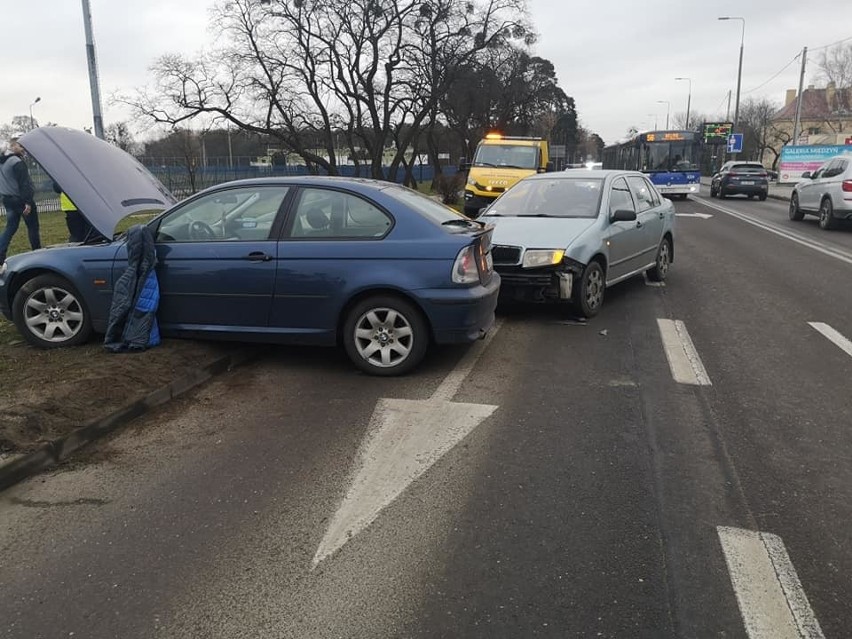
586	173
324	180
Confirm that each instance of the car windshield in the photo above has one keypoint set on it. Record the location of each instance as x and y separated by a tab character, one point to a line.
670	156
506	155
554	197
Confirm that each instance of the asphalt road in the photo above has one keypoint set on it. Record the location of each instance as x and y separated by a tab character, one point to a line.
562	480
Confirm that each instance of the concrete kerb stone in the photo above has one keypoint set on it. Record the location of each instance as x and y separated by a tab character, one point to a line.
19	468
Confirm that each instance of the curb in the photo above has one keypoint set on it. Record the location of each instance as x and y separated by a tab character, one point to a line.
58	450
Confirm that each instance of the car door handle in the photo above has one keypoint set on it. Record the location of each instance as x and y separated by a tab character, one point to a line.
662	215
258	256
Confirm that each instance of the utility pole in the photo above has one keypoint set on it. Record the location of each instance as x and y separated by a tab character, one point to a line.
798	122
728	112
93	71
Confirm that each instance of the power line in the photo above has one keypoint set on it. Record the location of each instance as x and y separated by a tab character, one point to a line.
832	44
785	67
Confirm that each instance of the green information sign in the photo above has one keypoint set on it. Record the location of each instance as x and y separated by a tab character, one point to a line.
717	132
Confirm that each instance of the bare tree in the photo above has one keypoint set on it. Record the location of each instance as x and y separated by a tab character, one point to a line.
305	71
835	67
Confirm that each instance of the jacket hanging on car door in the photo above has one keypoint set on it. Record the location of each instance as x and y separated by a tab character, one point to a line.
133	315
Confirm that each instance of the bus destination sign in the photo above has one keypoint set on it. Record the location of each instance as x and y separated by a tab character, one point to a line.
665	136
717	132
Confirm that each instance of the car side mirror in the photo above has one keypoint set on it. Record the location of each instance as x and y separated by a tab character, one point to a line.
806	175
546	169
624	215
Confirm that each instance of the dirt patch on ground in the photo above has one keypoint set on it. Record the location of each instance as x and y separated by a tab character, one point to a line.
46	394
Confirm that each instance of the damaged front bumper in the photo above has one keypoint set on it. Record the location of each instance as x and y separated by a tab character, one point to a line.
547	284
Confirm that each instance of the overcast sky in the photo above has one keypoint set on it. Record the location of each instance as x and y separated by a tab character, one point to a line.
617	58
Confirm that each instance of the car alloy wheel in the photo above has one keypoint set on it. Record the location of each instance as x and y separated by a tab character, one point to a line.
664	259
796	214
827	220
589	294
49	313
385	335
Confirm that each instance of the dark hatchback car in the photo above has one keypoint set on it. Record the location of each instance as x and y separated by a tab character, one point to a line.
740	178
376	267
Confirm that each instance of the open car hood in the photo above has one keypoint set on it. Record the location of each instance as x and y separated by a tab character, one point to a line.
106	183
537	232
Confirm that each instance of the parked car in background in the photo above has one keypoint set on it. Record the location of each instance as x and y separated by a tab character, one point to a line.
740	178
826	193
568	236
376	267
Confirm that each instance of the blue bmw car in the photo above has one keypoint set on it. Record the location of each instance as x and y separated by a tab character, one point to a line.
376	267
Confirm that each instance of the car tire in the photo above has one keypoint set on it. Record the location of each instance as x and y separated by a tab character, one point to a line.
751	196
722	194
762	197
660	269
713	192
589	295
796	214
385	335
50	313
827	221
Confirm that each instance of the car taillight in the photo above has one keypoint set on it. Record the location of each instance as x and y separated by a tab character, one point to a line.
465	270
847	186
733	174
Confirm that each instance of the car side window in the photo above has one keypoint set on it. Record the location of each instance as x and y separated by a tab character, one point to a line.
641	193
238	214
619	197
655	197
328	214
833	169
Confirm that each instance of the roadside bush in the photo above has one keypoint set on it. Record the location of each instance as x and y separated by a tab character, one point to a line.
449	187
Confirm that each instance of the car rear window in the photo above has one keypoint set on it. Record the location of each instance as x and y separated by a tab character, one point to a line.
423	204
757	168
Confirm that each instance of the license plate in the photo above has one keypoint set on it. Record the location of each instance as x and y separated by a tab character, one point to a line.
749	182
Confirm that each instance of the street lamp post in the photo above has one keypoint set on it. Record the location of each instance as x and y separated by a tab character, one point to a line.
668	109
688	101
32	119
739	70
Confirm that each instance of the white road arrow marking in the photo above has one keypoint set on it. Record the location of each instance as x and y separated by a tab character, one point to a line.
703	216
833	336
772	601
405	438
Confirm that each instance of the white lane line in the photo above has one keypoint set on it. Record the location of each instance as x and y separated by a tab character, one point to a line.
452	382
833	336
772	601
683	359
703	216
837	254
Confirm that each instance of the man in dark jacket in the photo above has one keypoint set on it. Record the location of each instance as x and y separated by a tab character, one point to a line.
17	192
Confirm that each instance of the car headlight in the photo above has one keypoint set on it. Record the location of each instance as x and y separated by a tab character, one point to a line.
471	181
533	259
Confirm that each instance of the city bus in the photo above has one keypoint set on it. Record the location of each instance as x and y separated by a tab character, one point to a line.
670	158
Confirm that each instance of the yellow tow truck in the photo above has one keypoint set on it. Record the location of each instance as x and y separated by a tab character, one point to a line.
498	164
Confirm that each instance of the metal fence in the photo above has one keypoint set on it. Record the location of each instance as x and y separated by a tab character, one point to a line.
182	182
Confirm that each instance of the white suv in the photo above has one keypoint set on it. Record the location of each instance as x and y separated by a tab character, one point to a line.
826	193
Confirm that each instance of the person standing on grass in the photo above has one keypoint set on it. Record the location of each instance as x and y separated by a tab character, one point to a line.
16	189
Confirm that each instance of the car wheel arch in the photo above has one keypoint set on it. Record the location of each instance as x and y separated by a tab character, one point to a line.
20	279
374	292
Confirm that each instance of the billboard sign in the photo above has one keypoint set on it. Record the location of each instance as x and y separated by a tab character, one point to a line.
717	132
795	160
